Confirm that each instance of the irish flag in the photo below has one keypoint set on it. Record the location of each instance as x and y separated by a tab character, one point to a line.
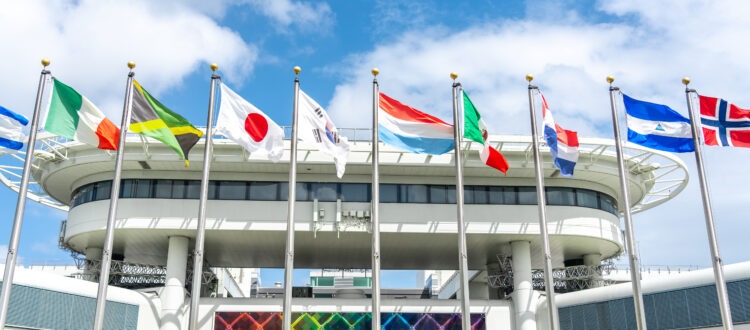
73	116
475	130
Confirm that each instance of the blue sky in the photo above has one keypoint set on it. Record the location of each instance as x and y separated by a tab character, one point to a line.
570	46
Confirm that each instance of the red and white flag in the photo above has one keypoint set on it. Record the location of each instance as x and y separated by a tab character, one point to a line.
249	127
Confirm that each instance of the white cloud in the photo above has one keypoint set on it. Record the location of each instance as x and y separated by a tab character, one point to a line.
306	16
649	48
89	43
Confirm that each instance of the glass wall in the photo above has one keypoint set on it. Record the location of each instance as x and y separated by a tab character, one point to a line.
347	192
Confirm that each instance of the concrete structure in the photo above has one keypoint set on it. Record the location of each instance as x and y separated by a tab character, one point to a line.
246	218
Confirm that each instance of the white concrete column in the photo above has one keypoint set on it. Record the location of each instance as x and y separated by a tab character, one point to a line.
592	260
524	297
173	296
92	253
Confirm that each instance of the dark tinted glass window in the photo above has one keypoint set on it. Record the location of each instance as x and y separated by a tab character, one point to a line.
526	195
264	191
438	194
416	193
587	198
389	193
163	189
233	190
103	190
561	196
355	192
324	192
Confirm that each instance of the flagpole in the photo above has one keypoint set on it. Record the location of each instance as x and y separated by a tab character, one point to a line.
15	235
289	263
635	278
461	228
721	287
549	282
201	228
101	296
375	205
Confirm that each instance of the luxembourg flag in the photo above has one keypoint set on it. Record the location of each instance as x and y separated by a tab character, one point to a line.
563	144
411	130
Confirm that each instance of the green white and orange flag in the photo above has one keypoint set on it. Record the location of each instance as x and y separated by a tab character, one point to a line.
151	118
73	116
475	130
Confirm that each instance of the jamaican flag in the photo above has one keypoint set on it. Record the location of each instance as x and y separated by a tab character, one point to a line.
151	118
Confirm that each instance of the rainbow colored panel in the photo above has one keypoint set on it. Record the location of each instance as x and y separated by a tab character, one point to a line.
344	321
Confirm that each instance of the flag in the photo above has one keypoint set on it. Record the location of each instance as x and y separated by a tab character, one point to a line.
249	127
657	126
411	130
11	129
563	144
476	130
723	123
73	116
151	118
315	127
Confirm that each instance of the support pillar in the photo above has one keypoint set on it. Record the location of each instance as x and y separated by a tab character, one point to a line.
90	267
173	296
524	297
593	260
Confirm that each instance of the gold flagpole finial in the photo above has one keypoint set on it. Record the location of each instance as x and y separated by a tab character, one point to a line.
214	67
45	62
610	79
454	75
529	77
375	72
685	81
131	65
297	70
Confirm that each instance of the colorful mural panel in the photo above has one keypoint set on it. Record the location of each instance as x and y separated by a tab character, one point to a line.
344	321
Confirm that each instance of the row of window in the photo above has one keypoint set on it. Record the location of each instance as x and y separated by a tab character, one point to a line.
347	192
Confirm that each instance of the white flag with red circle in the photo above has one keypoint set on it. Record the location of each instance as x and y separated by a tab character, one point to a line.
249	127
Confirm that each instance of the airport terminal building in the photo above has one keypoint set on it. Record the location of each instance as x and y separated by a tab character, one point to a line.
246	230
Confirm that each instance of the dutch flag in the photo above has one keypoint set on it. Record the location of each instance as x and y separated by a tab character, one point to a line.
563	144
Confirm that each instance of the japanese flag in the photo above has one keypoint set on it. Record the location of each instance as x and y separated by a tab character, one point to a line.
249	127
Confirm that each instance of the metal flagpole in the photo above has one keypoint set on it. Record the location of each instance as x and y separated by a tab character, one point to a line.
549	282
635	275
375	205
289	263
461	228
721	286
101	296
15	234
201	228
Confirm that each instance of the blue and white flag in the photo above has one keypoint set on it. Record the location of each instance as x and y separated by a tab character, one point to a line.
11	129
657	126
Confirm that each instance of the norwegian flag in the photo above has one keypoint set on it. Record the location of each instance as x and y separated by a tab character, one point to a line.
724	124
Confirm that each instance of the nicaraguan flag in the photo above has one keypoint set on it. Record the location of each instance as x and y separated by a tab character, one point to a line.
563	143
657	126
11	129
411	130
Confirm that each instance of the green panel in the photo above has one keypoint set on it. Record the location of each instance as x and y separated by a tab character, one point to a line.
363	282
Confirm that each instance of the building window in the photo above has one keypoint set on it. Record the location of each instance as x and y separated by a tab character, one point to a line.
347	192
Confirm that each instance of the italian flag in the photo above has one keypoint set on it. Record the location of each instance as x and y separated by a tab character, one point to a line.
475	130
73	116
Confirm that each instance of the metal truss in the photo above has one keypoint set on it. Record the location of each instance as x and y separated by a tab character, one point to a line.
566	279
135	276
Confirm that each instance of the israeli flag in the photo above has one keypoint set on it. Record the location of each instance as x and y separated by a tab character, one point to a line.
11	129
657	126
